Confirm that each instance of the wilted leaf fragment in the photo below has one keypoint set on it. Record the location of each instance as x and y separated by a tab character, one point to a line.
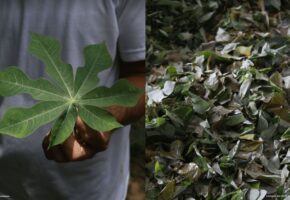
245	86
236	195
286	135
286	82
245	51
255	194
212	82
246	64
286	159
234	150
234	120
168	87
199	105
222	35
191	171
199	60
168	192
229	47
156	95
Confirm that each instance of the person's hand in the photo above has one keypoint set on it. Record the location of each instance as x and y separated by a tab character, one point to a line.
83	144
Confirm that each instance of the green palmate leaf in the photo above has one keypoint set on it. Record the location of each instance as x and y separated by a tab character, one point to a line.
14	81
122	93
48	50
63	127
97	58
21	122
98	119
64	101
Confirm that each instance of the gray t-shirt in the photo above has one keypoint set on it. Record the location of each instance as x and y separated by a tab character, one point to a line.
24	171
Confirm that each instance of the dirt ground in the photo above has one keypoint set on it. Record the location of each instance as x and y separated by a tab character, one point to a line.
136	186
136	190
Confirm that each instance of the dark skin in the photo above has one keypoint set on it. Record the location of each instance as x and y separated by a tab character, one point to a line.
85	142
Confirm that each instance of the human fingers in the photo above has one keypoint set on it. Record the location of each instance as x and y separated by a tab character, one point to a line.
74	151
53	153
45	144
91	138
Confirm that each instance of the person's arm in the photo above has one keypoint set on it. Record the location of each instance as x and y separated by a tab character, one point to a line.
135	73
84	143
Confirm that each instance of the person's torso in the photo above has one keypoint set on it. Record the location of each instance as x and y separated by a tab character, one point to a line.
76	23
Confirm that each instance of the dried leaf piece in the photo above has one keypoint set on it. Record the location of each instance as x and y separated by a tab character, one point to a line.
245	85
229	47
250	145
246	64
286	135
276	78
168	191
199	105
222	35
234	150
212	82
176	149
255	194
234	120
191	171
155	95
243	50
286	159
168	87
273	180
247	137
185	36
286	82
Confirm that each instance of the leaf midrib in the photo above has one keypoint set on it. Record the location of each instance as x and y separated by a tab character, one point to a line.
35	116
94	114
55	66
107	97
68	110
89	72
30	87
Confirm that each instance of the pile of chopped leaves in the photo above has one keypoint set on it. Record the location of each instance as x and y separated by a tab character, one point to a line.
218	116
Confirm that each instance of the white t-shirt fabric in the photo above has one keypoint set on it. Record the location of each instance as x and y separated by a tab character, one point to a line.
25	174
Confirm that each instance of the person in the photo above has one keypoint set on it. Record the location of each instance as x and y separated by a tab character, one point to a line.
89	165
